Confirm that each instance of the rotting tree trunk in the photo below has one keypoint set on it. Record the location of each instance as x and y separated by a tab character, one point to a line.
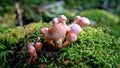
18	18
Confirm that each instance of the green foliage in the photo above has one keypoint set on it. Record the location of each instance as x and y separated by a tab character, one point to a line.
81	4
94	48
103	18
55	12
110	5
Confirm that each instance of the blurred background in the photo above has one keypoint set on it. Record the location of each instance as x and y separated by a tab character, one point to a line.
102	13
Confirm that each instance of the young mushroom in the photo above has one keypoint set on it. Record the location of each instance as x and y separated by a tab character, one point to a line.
83	21
76	19
31	52
38	46
43	30
75	28
62	20
71	37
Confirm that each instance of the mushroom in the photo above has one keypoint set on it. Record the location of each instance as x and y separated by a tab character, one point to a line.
54	34
43	30
83	21
31	52
38	46
70	37
75	29
76	19
62	20
56	31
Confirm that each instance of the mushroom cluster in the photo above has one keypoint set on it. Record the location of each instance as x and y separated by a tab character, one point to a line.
32	49
60	34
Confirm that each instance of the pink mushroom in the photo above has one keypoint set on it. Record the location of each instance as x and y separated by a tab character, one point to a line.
76	19
54	34
43	30
38	46
75	28
71	37
31	52
62	20
83	21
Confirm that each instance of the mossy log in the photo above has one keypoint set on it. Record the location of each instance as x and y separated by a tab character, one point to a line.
94	48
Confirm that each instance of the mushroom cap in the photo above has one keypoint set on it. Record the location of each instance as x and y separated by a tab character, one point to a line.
83	21
43	30
54	21
62	18
31	49
30	44
38	46
75	28
71	36
76	18
56	32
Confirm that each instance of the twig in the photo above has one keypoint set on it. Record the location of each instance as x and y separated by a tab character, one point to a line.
18	14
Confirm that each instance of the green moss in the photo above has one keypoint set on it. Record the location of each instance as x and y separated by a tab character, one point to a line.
13	35
94	48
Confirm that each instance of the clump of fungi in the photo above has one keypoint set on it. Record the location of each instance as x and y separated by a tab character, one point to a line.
32	49
58	35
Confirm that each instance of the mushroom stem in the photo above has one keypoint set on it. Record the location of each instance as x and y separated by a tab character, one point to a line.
49	41
29	60
66	43
59	43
